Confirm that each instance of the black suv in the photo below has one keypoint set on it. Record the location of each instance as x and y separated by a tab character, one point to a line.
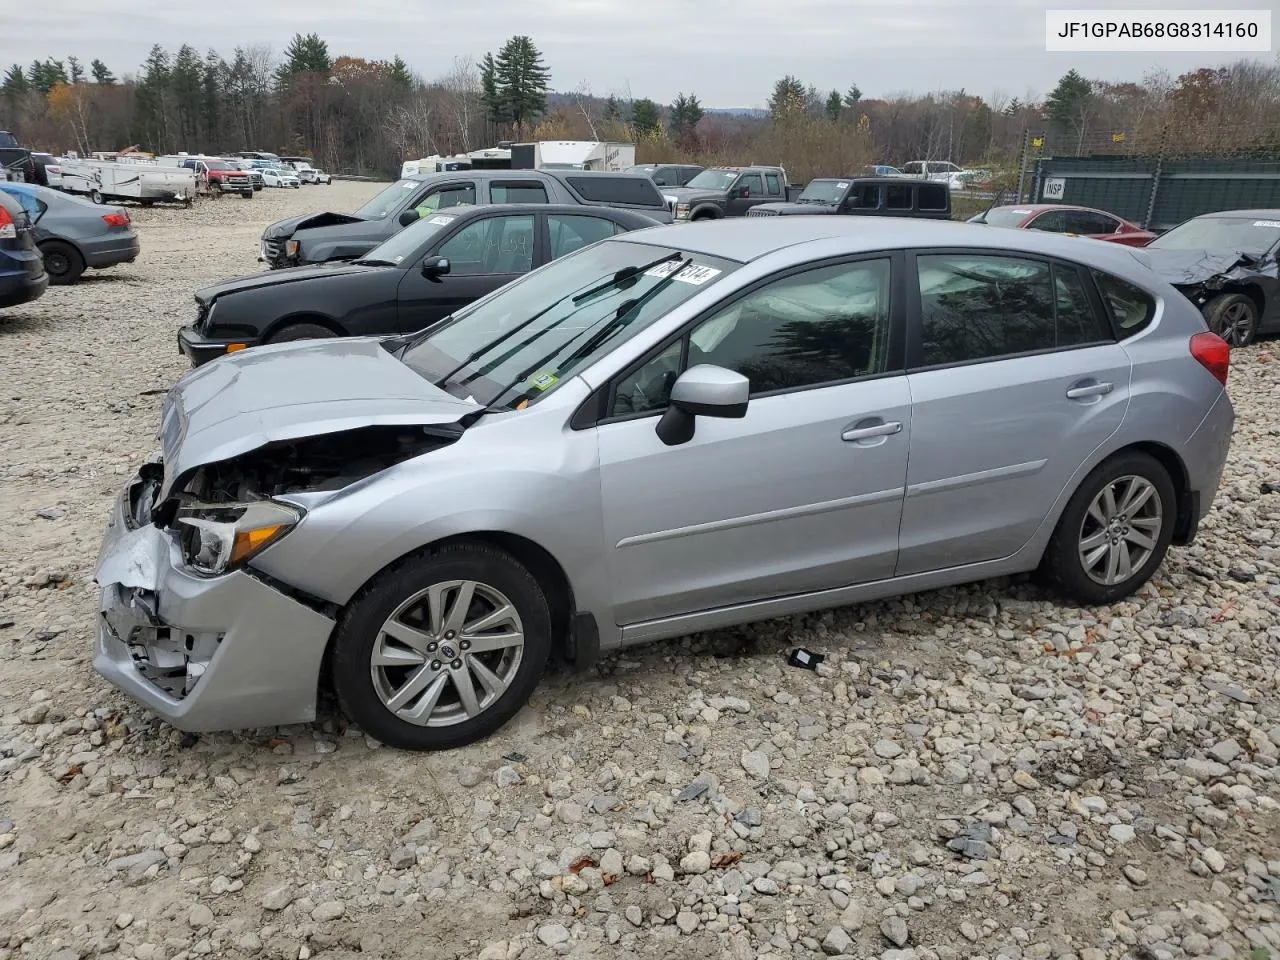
866	197
321	237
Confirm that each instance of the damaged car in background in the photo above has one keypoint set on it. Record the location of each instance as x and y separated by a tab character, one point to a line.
1228	264
667	431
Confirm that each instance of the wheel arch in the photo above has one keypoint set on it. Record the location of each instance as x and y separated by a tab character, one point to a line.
303	316
535	558
65	241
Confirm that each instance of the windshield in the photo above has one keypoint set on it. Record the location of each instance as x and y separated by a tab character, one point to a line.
713	180
388	200
519	343
407	241
1244	234
218	165
823	191
1004	216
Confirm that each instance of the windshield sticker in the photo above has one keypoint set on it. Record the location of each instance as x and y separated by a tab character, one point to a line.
1020	212
1267	223
408	185
697	275
544	381
842	185
663	269
442	221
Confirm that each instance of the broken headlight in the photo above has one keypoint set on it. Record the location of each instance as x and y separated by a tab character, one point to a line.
216	538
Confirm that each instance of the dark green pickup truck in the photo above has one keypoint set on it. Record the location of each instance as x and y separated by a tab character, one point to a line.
866	197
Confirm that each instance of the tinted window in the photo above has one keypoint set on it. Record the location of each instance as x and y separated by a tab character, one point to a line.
980	307
29	203
897	197
517	193
453	195
569	233
1055	221
496	245
816	327
933	196
1130	309
640	191
753	184
772	183
688	173
1078	322
865	196
1083	221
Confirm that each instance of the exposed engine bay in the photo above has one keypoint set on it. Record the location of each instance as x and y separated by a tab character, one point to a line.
312	464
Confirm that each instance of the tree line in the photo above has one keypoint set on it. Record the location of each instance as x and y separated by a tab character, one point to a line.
356	115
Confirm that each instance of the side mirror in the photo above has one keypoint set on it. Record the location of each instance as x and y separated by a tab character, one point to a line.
706	391
408	217
434	267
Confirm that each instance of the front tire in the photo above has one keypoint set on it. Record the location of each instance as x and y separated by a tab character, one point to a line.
300	331
1233	317
62	262
443	649
1115	530
96	197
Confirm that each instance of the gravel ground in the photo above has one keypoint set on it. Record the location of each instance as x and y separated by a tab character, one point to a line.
977	772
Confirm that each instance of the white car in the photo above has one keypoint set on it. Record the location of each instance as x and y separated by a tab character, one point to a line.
276	177
312	175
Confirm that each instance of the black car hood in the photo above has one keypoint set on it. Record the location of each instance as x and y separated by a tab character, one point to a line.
272	278
689	195
283	229
1212	268
788	209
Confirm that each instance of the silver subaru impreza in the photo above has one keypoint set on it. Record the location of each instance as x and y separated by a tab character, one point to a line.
673	430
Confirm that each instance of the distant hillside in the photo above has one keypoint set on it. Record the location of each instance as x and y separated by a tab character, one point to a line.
735	112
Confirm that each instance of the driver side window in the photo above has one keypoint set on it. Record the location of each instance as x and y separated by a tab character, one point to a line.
453	195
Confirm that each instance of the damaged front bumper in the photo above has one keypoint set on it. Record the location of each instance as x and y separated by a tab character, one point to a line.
216	653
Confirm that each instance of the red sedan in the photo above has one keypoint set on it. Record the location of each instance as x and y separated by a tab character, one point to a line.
1060	218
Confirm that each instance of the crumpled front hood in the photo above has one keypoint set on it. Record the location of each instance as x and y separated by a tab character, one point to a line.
269	394
282	229
1189	267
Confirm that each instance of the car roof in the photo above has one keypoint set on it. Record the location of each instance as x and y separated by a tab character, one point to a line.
1042	207
744	239
574	209
509	174
1261	214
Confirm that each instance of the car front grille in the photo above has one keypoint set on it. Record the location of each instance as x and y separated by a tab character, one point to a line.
273	251
757	212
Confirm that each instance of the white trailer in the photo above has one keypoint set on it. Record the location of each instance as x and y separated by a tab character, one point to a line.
104	180
583	155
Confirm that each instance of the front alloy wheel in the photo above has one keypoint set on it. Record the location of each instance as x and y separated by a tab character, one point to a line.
1233	317
448	653
443	648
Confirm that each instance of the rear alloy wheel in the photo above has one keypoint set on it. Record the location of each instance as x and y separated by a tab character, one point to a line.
1115	530
300	331
441	651
1233	317
62	262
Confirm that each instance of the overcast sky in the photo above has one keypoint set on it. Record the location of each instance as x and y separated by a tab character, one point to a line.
728	52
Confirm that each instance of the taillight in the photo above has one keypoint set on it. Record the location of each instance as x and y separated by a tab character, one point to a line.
8	229
120	219
1214	354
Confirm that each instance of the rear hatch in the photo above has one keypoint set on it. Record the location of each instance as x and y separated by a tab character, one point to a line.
17	240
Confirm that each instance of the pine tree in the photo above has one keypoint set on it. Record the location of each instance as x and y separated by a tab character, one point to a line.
305	54
400	73
612	109
15	82
100	73
520	81
152	99
1063	105
489	97
685	114
76	71
852	96
47	75
789	98
834	105
645	117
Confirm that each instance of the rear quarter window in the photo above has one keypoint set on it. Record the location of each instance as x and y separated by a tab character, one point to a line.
635	190
1129	308
933	196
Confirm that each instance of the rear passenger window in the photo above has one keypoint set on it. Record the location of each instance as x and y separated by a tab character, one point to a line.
569	233
1130	309
517	193
897	197
864	196
1078	322
933	196
635	190
771	181
983	307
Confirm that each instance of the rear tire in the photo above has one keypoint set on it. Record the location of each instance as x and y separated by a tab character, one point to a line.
300	331
62	262
1115	531
416	688
1233	317
215	188
96	197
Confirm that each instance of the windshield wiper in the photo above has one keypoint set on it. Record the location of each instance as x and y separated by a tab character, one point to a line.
623	275
375	262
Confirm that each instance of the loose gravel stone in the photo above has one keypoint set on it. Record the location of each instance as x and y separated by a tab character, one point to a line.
962	758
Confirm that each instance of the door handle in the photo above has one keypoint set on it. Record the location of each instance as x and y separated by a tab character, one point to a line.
867	433
1086	390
